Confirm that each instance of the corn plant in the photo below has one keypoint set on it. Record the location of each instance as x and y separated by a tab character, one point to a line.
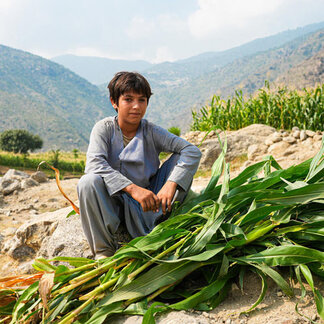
262	223
281	109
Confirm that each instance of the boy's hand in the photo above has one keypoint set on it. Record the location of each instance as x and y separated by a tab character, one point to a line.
147	199
166	194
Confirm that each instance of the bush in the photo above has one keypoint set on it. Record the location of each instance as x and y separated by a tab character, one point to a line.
19	141
175	130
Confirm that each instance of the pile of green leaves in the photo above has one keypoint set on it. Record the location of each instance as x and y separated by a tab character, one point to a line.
260	223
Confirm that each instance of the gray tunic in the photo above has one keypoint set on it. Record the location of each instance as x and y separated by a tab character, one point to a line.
111	167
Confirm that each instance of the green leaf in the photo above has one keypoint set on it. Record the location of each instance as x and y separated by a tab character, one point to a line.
157	277
285	255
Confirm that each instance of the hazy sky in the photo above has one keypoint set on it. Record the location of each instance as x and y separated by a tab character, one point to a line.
153	30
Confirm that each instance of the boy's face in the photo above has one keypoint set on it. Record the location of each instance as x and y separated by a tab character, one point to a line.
131	108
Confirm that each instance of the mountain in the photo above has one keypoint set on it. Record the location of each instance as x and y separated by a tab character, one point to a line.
49	100
168	74
306	74
247	73
98	70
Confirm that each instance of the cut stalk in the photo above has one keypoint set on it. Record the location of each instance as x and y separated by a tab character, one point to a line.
159	256
94	273
82	268
70	318
159	291
100	289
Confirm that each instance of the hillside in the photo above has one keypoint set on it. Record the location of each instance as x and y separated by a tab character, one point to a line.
247	73
305	74
47	99
179	72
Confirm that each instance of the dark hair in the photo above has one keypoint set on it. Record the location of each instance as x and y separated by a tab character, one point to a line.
124	82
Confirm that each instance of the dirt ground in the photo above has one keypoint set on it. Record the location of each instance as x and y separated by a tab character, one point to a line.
276	307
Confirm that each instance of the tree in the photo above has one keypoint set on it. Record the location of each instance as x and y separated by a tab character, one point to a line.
19	141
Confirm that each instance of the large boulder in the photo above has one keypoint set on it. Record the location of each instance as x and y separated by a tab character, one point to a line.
39	176
238	143
50	235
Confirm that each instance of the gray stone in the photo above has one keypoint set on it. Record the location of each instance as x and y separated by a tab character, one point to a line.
275	137
310	133
290	139
29	237
68	239
295	128
27	183
15	174
277	149
8	186
317	137
268	142
39	176
303	135
256	150
237	143
296	134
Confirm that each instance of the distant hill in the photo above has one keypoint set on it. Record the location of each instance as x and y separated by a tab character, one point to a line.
98	70
49	100
247	73
306	74
180	72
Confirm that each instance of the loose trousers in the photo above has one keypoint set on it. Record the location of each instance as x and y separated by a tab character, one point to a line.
101	214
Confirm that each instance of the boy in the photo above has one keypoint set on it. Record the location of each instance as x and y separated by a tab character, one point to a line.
123	181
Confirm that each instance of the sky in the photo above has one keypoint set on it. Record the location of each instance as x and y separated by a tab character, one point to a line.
151	30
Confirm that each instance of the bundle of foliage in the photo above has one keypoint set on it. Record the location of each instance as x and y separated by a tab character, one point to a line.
250	222
282	109
175	130
19	141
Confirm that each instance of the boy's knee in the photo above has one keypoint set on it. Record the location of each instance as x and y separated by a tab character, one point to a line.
89	181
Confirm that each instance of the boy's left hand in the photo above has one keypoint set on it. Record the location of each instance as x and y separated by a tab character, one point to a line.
166	195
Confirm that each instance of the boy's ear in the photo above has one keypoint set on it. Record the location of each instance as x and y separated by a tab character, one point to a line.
113	103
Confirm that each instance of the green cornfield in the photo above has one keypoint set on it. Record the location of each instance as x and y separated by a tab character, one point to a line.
281	109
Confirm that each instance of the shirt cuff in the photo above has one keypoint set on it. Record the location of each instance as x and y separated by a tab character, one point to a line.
182	177
116	183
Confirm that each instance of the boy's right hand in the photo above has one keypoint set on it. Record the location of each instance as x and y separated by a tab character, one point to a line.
147	199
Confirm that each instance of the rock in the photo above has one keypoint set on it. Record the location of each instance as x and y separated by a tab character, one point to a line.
268	142
296	134
310	133
256	150
303	135
1	200
317	137
290	139
49	235
27	183
8	213
39	176
8	186
279	294
68	239
15	174
29	236
237	143
284	134
275	137
295	128
277	149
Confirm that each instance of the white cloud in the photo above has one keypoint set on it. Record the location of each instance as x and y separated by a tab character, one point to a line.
163	55
217	15
140	28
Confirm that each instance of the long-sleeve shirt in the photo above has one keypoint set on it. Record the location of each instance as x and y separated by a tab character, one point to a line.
136	163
